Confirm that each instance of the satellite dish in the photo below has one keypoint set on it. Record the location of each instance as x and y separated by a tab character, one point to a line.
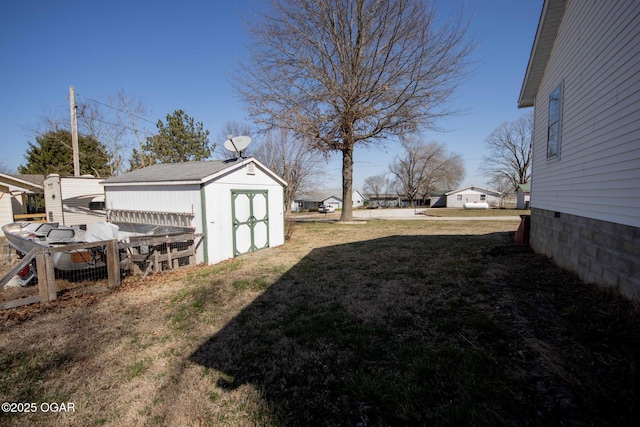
237	144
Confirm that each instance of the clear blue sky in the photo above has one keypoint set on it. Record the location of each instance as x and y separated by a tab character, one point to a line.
176	55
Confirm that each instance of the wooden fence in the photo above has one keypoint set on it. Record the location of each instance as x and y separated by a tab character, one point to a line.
36	217
154	254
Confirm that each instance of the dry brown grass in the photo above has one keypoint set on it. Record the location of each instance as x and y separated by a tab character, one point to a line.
382	323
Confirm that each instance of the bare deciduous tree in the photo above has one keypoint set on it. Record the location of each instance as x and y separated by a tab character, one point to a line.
297	163
509	155
425	168
347	72
377	185
93	121
131	112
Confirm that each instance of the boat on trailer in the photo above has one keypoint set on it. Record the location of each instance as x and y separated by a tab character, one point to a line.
24	236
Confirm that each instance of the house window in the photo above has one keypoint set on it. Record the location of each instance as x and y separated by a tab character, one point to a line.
483	197
555	120
459	197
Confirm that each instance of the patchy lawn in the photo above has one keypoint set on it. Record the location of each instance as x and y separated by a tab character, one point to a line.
384	323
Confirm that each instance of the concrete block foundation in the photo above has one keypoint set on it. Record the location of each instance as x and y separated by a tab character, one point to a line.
600	252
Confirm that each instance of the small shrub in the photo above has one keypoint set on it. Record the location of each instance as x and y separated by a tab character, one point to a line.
289	227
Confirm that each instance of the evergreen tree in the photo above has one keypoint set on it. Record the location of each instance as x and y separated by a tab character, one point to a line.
52	153
180	139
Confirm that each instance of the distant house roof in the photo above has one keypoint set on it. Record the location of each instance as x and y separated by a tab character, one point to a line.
474	188
321	195
188	172
26	181
550	18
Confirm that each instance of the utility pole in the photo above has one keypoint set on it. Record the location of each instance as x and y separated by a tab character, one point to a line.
74	131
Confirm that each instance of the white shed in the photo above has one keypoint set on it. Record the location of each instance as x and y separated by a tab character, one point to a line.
524	196
72	200
472	194
238	204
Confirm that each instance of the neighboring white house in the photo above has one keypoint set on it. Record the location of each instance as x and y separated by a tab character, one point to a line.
523	197
6	210
19	195
333	198
71	200
237	204
583	78
472	194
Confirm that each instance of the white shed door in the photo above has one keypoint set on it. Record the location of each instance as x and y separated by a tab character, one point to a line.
250	210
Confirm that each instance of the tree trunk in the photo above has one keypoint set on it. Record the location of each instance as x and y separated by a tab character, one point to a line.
347	184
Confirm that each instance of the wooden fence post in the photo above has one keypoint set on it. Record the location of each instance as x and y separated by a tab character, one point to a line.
113	263
46	276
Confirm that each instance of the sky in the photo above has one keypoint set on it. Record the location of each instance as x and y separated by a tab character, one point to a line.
178	55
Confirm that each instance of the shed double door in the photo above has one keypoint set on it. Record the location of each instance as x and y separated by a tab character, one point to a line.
250	212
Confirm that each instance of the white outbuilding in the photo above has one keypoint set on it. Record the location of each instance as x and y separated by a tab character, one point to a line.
238	204
472	194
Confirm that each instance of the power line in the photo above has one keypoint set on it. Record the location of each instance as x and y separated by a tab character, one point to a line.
146	132
117	109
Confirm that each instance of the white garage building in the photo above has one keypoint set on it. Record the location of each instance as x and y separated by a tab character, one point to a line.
237	204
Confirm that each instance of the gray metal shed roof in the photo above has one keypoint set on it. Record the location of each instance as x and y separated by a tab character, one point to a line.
167	172
188	172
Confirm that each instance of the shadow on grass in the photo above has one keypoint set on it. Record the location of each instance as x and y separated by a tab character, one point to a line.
370	332
404	330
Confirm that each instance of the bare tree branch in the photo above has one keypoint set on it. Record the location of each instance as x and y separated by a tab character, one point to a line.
295	162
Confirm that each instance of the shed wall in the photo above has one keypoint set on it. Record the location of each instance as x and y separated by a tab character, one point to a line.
219	215
159	198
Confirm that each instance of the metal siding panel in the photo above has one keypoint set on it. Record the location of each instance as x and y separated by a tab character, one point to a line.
6	211
600	148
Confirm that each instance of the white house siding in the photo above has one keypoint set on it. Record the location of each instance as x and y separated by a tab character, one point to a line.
219	215
68	200
6	210
357	200
596	56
